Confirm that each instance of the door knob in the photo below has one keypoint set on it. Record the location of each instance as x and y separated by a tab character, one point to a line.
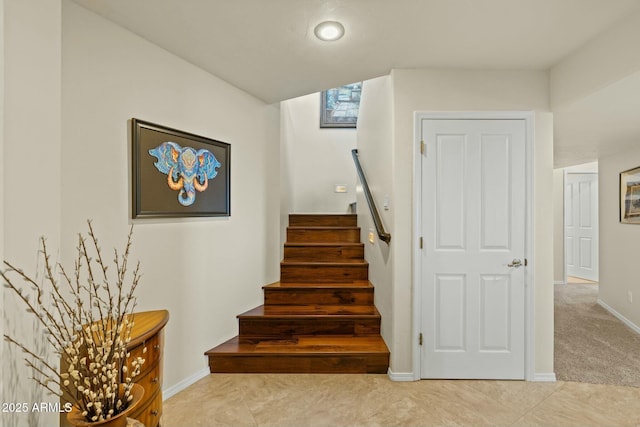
515	263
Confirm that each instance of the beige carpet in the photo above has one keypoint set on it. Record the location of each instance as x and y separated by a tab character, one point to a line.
573	280
591	345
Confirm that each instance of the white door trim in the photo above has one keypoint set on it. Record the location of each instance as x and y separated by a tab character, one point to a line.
564	227
528	117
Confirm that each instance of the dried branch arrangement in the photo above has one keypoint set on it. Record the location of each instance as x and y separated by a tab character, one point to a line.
87	322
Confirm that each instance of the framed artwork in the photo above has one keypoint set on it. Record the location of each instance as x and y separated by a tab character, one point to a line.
339	106
630	196
178	174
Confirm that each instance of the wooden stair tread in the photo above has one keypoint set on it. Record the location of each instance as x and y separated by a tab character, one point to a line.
317	345
345	262
322	215
323	227
320	220
320	317
327	251
358	284
315	234
321	244
311	311
348	293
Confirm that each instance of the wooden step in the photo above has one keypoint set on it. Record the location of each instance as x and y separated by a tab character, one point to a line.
326	293
277	321
305	354
309	251
323	272
320	317
356	283
322	234
315	220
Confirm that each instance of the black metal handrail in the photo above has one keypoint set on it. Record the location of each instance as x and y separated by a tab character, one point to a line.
382	234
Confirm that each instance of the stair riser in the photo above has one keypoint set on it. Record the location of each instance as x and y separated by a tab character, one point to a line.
350	235
317	254
279	364
323	274
323	220
318	296
288	328
320	317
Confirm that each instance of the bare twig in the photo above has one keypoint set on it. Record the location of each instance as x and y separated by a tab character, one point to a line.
86	324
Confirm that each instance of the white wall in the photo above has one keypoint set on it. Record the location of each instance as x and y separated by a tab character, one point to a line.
2	100
543	243
619	243
204	271
558	225
375	149
316	158
72	82
30	175
459	90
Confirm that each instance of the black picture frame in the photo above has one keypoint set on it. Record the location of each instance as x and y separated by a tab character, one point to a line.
630	196
339	106
180	154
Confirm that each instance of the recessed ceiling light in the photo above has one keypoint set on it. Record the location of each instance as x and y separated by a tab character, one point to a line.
329	30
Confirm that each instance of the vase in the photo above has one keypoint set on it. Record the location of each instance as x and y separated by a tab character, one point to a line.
76	419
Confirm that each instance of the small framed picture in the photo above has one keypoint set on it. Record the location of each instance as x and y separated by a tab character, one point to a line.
339	106
178	174
630	196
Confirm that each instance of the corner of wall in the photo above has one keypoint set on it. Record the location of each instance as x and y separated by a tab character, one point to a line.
543	238
558	225
605	59
318	159
375	149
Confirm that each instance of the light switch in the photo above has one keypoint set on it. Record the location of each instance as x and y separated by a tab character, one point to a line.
372	237
341	188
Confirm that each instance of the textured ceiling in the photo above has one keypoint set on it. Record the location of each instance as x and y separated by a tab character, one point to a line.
267	47
602	124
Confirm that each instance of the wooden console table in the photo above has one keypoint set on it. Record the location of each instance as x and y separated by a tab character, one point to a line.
147	331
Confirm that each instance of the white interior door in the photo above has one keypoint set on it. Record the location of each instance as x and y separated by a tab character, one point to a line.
472	267
581	225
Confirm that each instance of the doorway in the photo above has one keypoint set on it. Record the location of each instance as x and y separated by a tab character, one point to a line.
581	221
472	183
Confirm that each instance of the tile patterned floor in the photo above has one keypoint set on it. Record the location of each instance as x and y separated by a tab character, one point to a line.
374	400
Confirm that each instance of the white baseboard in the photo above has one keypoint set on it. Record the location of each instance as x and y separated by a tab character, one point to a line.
623	319
544	377
400	376
177	388
549	377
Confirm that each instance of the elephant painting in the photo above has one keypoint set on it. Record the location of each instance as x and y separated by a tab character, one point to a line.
187	170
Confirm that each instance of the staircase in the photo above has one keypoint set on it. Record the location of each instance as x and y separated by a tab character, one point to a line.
320	316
